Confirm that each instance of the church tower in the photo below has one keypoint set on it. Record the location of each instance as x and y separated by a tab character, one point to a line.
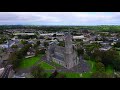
68	51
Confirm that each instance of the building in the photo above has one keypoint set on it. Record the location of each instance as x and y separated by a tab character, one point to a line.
78	37
65	56
8	44
16	34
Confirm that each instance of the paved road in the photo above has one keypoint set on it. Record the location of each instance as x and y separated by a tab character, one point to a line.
5	73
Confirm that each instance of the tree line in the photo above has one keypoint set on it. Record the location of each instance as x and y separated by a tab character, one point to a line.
110	28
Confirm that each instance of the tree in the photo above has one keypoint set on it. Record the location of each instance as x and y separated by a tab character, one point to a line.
14	46
86	56
38	72
80	51
42	51
116	64
54	74
117	45
98	58
13	59
98	74
38	43
100	67
46	44
54	35
37	52
2	40
61	43
24	42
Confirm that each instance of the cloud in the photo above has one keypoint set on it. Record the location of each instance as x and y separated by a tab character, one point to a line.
60	18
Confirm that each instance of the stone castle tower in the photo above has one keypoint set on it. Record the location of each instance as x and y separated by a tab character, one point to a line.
70	54
68	50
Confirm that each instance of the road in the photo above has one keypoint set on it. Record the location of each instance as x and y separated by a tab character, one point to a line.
6	72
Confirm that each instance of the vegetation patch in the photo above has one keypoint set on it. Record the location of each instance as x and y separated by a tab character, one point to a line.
28	62
46	66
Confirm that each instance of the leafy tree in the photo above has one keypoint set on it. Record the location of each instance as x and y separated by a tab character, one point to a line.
2	40
38	43
24	42
54	74
117	45
48	39
46	44
14	46
100	67
61	43
38	72
116	64
86	56
42	51
99	74
13	59
54	35
80	51
37	52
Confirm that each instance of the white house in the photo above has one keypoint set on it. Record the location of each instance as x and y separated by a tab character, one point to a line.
8	44
78	37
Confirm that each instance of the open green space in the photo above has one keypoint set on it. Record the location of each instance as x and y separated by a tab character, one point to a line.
55	64
109	70
78	75
70	74
28	62
92	65
46	66
93	69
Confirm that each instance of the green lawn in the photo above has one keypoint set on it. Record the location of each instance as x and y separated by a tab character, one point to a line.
109	70
86	75
79	75
92	65
71	74
48	74
93	69
28	62
46	66
55	64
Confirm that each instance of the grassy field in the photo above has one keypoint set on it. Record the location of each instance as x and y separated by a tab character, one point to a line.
70	74
78	75
46	66
92	65
55	64
93	69
28	62
109	70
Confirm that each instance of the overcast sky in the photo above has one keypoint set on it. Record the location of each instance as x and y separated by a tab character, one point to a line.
60	18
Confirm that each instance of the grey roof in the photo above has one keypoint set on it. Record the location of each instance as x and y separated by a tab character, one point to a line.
60	49
58	57
16	41
11	42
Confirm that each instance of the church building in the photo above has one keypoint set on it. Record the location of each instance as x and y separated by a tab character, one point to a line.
65	56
